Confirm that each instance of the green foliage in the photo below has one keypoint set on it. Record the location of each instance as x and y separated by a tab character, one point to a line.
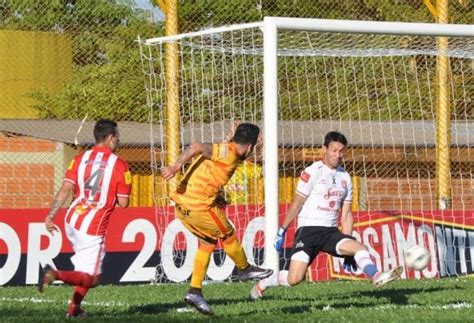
448	299
389	88
197	14
107	79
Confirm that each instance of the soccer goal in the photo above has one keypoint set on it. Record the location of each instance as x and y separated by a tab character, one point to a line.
401	93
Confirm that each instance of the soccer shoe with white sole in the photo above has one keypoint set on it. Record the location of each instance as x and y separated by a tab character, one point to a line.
382	278
199	303
46	278
256	292
254	272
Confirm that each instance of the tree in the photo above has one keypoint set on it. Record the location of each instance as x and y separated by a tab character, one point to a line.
107	81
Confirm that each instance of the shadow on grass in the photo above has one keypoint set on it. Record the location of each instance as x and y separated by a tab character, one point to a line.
155	308
355	299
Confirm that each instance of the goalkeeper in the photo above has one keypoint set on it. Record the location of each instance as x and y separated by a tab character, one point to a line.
324	191
202	210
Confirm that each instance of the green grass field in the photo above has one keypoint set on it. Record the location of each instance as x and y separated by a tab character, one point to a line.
423	300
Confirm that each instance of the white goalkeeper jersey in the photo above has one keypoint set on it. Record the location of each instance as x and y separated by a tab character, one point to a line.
326	190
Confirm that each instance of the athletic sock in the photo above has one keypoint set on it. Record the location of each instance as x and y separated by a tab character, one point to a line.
76	278
276	279
201	262
283	278
365	263
234	249
77	297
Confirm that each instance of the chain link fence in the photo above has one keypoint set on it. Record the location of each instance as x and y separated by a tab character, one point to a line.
194	15
79	61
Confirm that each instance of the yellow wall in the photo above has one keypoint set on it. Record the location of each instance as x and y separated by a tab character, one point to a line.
29	61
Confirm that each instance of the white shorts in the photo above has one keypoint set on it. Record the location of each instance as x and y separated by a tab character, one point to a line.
89	251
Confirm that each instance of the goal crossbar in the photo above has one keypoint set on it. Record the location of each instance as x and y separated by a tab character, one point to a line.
335	25
371	27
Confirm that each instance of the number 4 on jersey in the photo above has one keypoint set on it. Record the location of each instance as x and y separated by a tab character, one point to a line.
93	184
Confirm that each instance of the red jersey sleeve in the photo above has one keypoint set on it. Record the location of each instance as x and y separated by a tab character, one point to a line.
72	170
124	178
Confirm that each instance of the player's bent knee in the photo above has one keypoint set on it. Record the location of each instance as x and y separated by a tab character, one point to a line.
206	247
360	246
295	279
300	256
298	266
230	238
348	247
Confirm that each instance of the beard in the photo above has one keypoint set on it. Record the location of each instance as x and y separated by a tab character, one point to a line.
244	156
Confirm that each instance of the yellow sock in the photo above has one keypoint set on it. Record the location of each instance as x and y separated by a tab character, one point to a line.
234	249
201	262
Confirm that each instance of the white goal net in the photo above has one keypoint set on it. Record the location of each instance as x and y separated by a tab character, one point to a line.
388	93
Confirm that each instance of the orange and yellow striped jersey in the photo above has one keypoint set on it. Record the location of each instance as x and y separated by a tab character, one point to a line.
208	178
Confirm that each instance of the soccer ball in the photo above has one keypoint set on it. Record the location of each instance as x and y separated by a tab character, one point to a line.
417	257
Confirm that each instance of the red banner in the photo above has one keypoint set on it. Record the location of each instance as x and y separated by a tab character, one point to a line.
148	243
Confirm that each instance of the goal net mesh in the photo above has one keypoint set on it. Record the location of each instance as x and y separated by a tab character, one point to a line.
380	91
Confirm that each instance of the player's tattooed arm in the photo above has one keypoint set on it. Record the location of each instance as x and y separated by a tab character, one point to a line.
58	202
205	149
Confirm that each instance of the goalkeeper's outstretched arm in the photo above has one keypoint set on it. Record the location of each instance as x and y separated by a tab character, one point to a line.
347	219
294	209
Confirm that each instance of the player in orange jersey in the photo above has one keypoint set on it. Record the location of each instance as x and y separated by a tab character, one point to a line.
202	210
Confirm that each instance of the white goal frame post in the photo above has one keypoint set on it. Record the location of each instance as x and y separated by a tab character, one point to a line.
270	27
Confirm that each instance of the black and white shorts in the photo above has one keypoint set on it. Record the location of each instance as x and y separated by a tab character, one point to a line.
309	241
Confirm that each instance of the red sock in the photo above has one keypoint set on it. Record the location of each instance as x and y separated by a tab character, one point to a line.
76	278
75	305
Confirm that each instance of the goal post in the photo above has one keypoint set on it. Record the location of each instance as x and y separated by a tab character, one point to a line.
271	26
299	78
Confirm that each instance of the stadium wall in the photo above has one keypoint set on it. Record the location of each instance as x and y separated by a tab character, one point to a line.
31	171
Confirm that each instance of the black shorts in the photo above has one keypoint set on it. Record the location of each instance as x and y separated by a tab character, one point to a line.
312	240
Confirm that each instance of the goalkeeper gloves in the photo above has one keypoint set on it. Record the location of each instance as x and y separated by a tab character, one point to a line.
279	239
350	264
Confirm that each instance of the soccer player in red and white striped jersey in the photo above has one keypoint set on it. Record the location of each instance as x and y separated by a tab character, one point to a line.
100	181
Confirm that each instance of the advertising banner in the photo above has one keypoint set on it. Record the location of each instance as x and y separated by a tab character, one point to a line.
148	244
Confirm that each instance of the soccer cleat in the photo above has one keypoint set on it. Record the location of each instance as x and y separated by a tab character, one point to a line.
75	311
382	278
199	303
46	278
256	292
254	272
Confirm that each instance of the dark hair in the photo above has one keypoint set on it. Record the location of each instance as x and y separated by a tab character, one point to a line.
246	133
103	128
334	136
